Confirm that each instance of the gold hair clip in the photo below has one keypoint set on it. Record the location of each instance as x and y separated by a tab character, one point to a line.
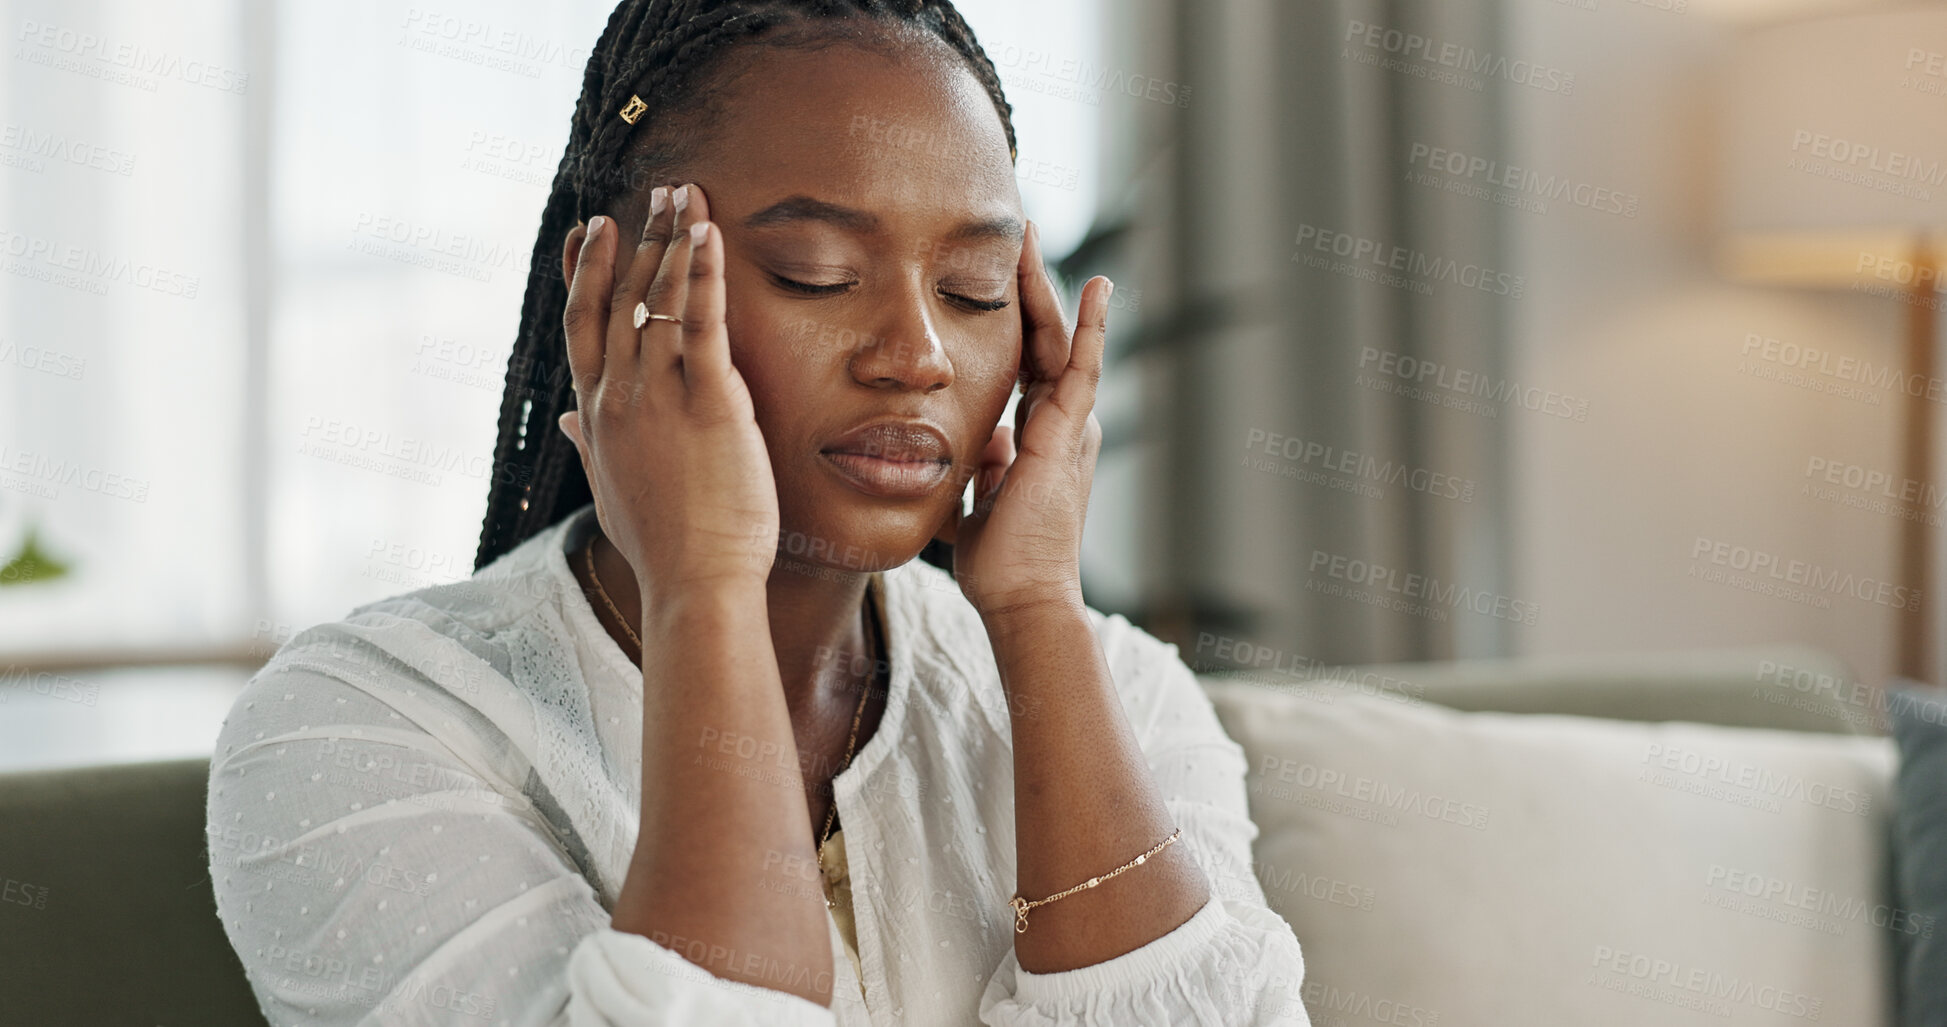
633	109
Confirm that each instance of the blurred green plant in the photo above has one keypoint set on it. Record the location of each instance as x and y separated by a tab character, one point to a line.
32	563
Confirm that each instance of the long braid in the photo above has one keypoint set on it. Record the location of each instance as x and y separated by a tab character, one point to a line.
660	50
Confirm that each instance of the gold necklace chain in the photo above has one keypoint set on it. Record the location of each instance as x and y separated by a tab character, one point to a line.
589	554
872	631
872	623
858	715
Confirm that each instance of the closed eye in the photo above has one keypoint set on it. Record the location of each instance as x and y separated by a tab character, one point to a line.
809	289
980	305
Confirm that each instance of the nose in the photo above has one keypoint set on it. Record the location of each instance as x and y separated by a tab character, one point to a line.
905	352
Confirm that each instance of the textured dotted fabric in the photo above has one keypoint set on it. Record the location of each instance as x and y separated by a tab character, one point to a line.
422	814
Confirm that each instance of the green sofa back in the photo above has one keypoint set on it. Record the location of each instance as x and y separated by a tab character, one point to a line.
106	912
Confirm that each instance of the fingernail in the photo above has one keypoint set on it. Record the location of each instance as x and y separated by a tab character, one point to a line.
682	198
595	226
1111	291
699	232
658	199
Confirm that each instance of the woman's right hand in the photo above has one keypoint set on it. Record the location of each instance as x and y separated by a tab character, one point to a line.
665	427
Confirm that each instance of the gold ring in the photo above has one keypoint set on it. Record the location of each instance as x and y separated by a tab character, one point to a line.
643	316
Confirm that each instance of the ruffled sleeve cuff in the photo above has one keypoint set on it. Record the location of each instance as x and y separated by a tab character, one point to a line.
619	979
1233	962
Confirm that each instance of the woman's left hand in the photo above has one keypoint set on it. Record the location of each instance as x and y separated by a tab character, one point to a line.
1021	545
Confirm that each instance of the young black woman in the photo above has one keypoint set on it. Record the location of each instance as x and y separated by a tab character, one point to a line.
700	721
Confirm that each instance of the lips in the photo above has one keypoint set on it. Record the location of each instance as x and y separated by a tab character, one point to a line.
898	441
891	458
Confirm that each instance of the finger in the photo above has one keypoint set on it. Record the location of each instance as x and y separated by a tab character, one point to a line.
570	423
584	319
949	530
624	340
995	459
1045	344
706	344
669	292
1074	391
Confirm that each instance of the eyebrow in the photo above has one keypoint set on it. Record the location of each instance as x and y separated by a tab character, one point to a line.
806	208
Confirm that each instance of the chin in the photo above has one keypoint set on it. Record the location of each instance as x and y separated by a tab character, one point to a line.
829	526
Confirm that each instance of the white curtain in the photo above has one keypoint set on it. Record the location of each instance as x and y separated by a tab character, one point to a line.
1323	309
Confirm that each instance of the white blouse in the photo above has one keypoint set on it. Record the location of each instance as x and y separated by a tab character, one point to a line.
423	813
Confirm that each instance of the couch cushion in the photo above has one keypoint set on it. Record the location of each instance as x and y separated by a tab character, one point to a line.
1460	868
106	911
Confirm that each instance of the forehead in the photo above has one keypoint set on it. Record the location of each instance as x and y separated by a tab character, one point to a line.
909	132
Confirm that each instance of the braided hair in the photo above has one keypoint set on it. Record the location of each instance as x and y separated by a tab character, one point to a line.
661	51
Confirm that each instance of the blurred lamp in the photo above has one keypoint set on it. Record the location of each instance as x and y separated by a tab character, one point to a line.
1834	176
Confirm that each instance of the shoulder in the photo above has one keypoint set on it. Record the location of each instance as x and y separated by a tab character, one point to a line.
445	654
930	599
472	615
1161	695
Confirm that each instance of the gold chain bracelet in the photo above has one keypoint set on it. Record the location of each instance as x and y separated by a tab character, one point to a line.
1021	905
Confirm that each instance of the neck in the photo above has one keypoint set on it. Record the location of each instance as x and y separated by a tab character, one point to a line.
817	629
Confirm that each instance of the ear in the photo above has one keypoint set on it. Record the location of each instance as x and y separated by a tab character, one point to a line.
571	252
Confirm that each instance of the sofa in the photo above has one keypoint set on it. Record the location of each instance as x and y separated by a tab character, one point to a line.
106	911
1479	842
1673	840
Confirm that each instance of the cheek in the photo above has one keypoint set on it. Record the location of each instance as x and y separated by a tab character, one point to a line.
774	349
987	369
